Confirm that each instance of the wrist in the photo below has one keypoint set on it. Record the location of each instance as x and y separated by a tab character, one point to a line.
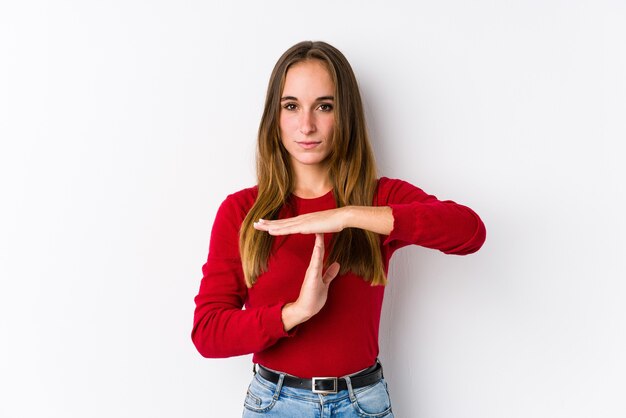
347	218
292	315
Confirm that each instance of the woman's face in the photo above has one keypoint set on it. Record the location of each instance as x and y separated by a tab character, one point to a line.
307	117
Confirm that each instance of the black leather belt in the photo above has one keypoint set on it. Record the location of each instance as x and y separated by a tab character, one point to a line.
326	385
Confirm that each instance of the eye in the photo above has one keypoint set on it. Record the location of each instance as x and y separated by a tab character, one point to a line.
289	106
326	107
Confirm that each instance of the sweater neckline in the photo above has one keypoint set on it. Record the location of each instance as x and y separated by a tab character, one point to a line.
313	199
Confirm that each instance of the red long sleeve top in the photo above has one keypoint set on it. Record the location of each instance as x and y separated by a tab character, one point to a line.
342	338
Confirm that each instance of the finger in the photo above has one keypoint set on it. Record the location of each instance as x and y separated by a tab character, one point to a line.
273	230
319	241
331	273
317	258
287	230
260	226
281	227
279	222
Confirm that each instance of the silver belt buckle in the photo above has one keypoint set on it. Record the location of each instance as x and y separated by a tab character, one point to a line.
323	392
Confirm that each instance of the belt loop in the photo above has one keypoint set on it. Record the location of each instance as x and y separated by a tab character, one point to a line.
279	386
350	390
253	369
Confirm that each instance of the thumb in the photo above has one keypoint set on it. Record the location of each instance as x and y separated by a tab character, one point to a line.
331	273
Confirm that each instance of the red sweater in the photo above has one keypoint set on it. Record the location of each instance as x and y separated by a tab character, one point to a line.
343	337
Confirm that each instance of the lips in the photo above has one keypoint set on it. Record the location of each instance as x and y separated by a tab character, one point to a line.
309	144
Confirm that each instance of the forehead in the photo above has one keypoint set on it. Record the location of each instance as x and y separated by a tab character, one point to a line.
309	76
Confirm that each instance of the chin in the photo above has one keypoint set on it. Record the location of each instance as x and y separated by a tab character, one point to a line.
310	160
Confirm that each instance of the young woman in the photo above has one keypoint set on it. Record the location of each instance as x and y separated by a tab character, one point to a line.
306	251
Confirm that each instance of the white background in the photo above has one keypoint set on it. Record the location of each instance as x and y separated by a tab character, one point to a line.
124	124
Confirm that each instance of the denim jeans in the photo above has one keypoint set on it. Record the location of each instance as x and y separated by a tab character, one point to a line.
267	399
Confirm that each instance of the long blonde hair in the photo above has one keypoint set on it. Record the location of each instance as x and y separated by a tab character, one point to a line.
351	163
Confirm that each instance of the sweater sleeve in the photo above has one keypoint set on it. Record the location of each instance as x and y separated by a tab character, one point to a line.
422	219
221	326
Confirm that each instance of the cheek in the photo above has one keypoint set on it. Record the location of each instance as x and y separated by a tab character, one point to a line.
285	123
329	126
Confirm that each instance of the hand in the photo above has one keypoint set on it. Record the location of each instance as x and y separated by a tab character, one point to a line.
327	221
314	290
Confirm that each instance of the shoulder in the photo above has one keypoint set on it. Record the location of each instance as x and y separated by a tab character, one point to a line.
238	204
245	196
390	190
386	183
388	187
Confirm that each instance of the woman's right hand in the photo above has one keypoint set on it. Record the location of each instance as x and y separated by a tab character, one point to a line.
314	290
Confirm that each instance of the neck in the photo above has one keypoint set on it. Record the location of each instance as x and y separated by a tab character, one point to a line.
311	181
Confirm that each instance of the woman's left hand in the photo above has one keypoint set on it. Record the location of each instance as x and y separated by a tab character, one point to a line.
326	221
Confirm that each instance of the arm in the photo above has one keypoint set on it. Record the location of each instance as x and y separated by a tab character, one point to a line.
422	219
402	212
221	328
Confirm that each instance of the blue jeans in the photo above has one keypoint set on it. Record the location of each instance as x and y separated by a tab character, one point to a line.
267	399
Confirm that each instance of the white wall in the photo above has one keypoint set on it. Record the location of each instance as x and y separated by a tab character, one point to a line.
124	124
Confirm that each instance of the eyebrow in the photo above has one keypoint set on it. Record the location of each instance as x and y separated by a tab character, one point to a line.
282	99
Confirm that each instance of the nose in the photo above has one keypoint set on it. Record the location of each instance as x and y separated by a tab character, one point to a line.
307	123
